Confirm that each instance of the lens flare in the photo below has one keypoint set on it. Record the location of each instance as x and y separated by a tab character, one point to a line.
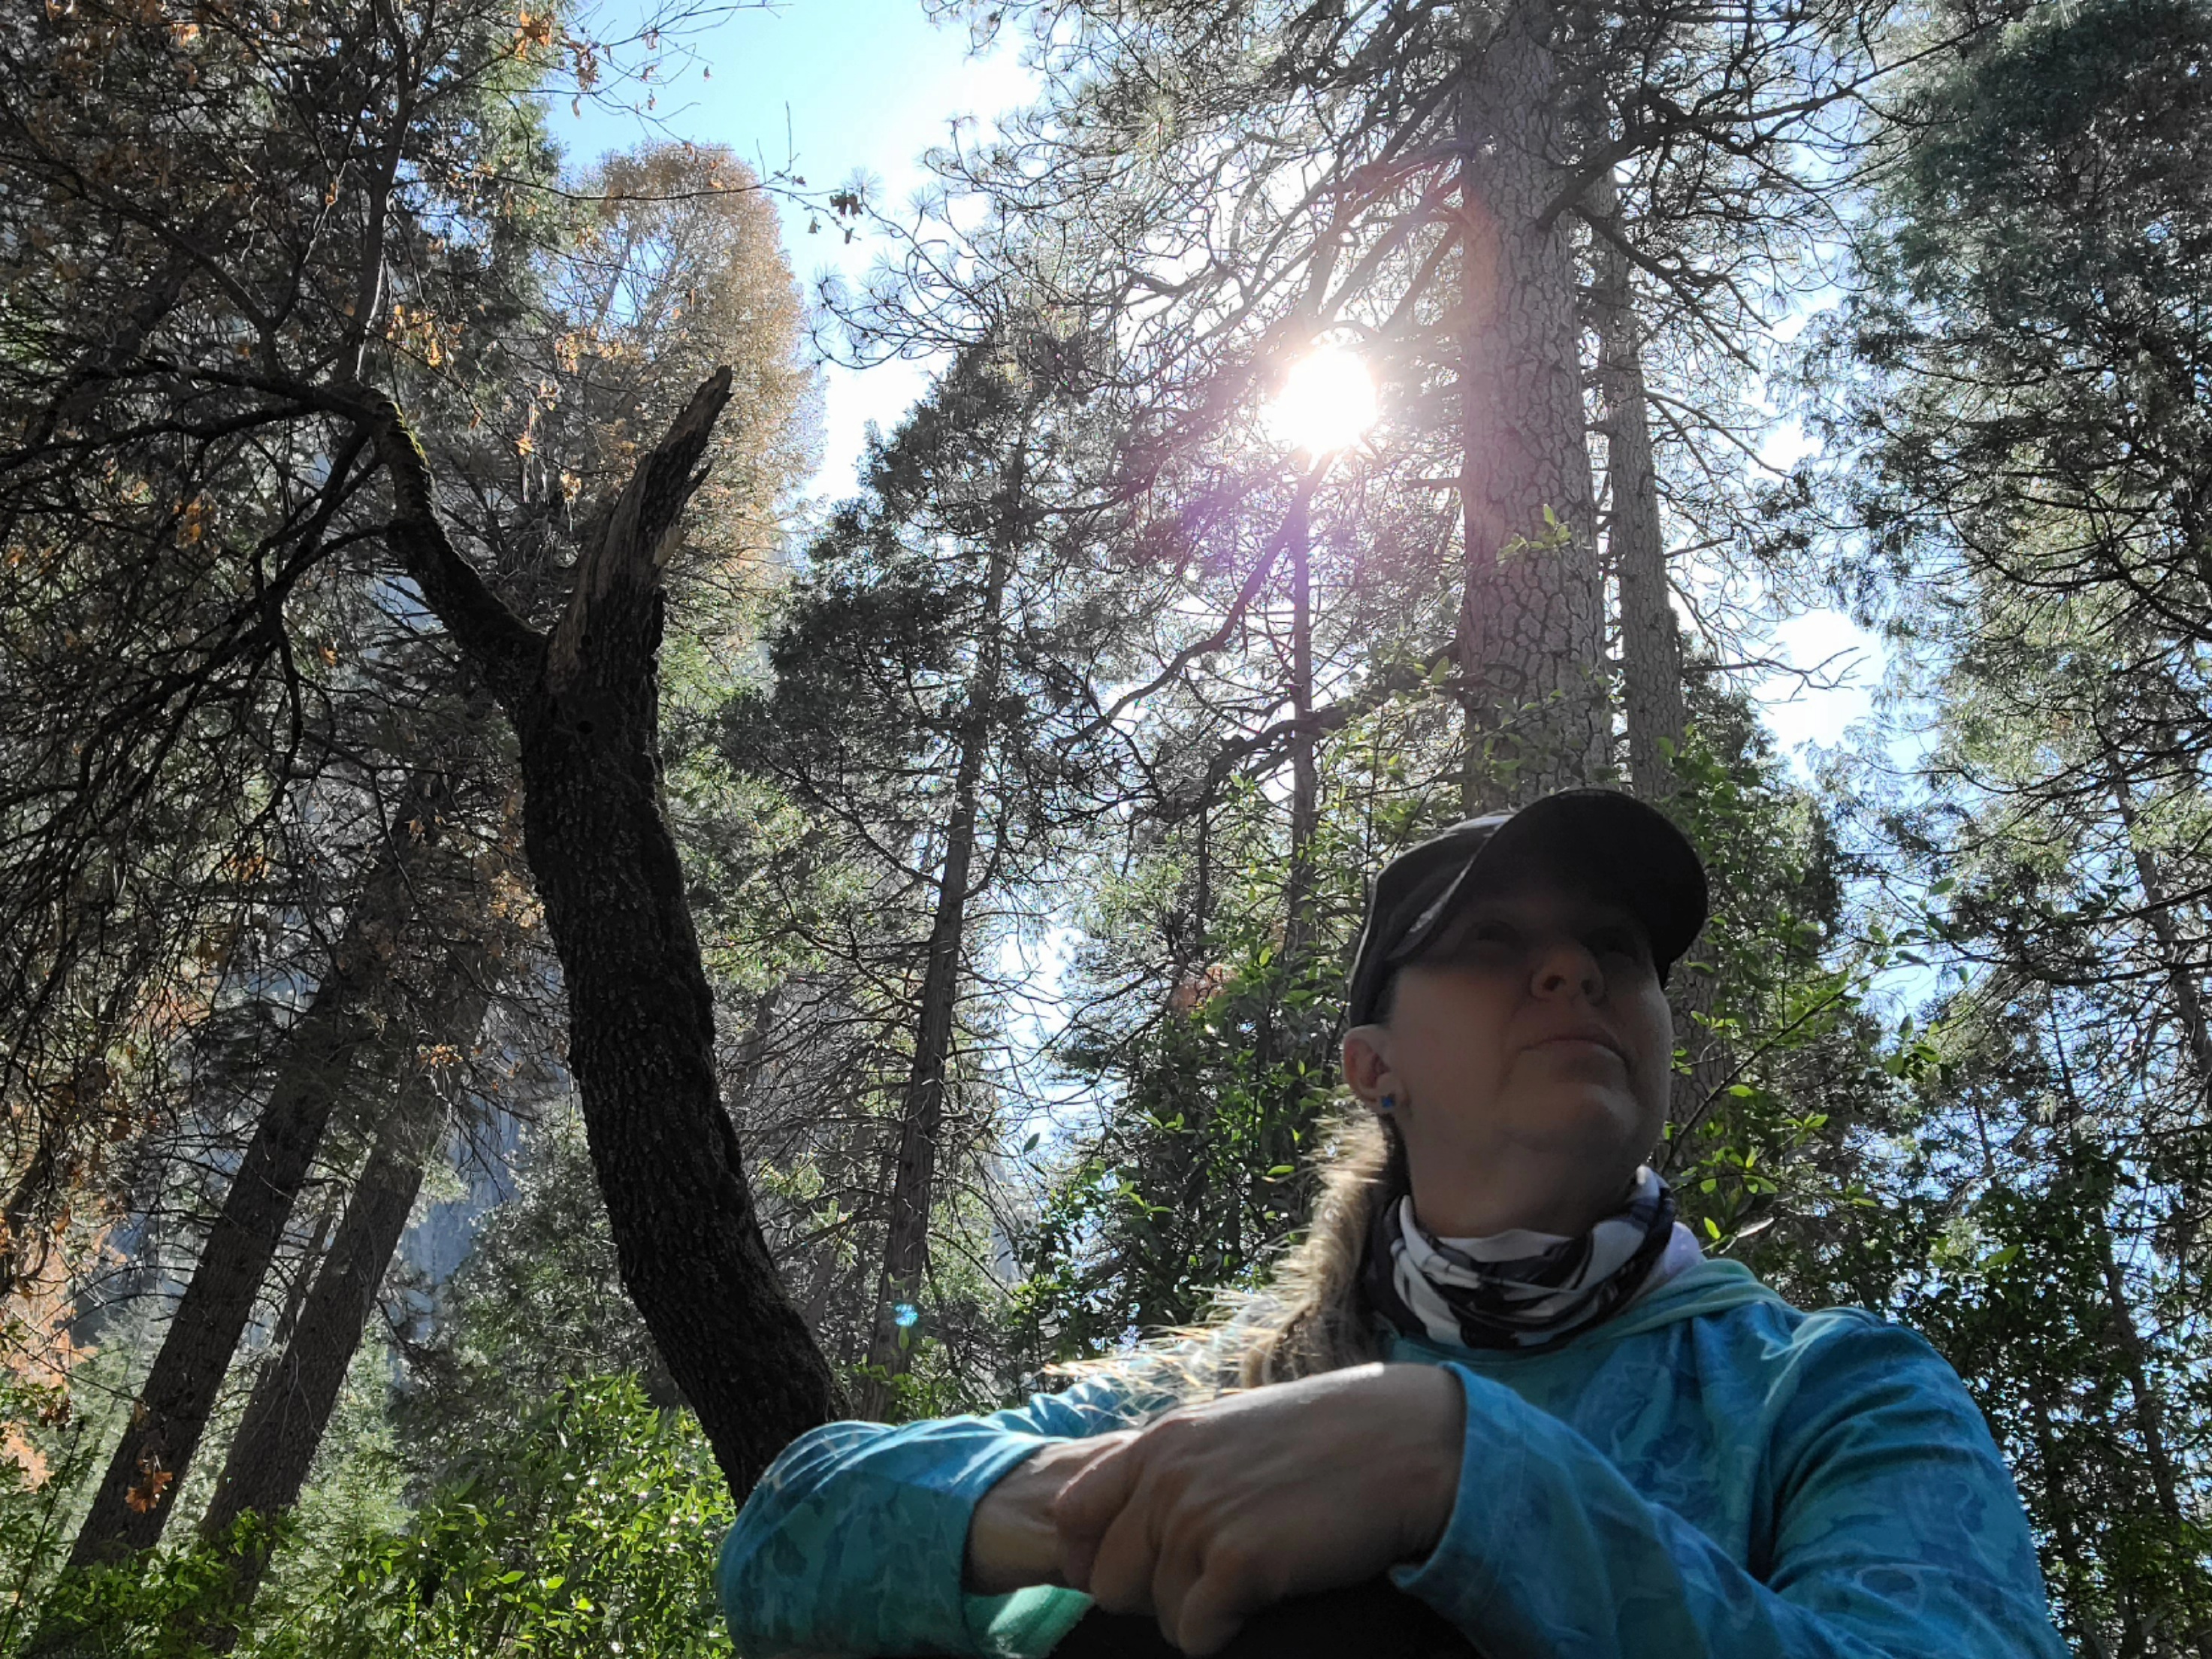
1327	402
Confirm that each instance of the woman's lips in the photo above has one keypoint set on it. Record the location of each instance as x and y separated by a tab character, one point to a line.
1582	1040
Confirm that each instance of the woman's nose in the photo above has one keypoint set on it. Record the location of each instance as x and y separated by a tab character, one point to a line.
1564	967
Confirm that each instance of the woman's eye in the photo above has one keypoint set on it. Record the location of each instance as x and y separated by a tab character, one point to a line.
1483	941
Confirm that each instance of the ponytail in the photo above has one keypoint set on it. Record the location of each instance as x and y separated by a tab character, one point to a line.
1313	1316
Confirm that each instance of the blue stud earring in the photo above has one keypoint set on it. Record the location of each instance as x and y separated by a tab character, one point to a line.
1389	1103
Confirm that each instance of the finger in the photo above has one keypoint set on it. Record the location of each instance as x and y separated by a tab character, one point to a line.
1086	1507
1207	1629
1178	1562
1227	1592
1120	1572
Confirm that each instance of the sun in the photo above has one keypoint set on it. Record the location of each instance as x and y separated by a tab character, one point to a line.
1326	404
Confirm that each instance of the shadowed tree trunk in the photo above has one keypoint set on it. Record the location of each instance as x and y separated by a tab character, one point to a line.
1306	770
1658	714
290	1406
311	1262
2127	1344
1306	743
1531	616
906	1244
1650	639
584	700
131	1504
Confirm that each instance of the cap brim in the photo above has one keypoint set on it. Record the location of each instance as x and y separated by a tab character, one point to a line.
1629	849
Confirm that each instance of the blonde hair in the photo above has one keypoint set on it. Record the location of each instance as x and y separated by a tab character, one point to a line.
1313	1316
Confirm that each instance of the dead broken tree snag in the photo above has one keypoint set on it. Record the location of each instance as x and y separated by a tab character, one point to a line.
585	705
613	618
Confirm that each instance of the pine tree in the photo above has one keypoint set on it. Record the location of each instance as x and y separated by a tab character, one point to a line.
934	681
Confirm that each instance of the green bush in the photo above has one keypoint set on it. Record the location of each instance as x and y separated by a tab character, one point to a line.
591	1532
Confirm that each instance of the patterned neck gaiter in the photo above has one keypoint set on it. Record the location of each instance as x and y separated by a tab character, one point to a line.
1516	1289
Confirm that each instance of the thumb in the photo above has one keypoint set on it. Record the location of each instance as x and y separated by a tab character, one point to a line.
1084	1508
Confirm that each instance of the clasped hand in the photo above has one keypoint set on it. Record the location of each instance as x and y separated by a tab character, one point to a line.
1218	1510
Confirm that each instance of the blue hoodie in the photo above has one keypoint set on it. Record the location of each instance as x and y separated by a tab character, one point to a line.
1708	1473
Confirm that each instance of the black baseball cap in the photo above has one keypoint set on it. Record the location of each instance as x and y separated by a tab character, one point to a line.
1629	847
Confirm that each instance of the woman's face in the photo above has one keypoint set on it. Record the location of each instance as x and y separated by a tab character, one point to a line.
1528	1058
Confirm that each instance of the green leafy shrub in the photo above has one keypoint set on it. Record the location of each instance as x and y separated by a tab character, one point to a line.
592	1532
589	1532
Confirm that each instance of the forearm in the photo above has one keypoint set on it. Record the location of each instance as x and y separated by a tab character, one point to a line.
854	1541
1551	1552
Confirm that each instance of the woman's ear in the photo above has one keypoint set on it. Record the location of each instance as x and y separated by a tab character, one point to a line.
1367	1067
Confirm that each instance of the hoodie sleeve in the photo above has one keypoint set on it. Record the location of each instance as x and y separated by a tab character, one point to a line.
854	1541
1896	1531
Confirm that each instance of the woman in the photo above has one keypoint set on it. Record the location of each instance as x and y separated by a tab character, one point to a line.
1498	1370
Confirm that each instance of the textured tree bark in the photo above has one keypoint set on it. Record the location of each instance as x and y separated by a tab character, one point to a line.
1650	639
585	704
133	1501
2150	1423
292	1398
1658	714
295	1293
921	1117
1530	631
1305	785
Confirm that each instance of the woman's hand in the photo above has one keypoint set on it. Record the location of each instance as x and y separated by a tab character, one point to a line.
1011	1540
1218	1510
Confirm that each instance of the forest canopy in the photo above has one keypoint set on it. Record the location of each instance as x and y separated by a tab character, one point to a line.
544	952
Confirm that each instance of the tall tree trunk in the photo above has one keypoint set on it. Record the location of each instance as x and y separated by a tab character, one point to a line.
1306	769
1656	713
2128	1345
311	1262
132	1503
292	1398
1305	781
1650	639
922	1115
1530	632
2126	1341
585	704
